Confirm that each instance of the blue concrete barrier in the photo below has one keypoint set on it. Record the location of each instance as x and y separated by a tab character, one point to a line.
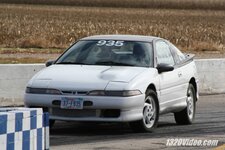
24	129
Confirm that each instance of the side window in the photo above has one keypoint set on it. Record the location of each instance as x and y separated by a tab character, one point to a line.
164	54
180	57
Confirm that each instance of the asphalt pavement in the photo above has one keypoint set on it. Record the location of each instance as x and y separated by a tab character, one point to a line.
209	125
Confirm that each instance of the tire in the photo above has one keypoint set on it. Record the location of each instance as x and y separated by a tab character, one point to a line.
187	115
150	114
51	123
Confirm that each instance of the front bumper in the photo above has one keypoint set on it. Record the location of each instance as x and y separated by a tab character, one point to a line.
122	109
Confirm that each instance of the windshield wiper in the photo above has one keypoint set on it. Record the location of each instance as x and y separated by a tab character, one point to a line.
73	63
112	63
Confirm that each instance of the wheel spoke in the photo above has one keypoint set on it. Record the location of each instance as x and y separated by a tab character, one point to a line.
145	112
149	112
147	120
190	102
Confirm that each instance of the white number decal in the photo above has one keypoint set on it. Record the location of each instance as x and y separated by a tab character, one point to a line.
119	43
101	43
110	43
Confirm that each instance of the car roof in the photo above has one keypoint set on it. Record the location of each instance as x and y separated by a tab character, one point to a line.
140	38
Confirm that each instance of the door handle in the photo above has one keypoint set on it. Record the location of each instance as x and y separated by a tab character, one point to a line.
179	74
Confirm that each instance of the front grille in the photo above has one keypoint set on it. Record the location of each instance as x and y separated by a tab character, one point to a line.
75	112
110	113
65	92
103	113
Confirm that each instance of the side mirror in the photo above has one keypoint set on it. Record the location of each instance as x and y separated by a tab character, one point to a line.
164	68
49	63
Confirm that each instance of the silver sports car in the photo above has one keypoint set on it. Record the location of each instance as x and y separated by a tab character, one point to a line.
117	78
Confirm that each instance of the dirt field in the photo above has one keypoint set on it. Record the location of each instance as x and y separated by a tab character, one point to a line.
28	55
171	4
43	26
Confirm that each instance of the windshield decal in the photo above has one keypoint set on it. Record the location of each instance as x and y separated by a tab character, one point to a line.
110	43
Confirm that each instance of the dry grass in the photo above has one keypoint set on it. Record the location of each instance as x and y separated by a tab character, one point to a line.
58	26
37	27
171	4
30	51
25	60
28	55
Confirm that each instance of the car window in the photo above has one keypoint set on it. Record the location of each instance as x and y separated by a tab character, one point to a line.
109	52
180	57
164	54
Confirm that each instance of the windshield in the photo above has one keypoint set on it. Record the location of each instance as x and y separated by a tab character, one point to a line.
109	52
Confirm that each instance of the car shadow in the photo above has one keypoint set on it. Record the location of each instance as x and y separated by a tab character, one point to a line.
96	128
64	133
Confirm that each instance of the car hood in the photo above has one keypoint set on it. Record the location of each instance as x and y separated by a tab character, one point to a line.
83	77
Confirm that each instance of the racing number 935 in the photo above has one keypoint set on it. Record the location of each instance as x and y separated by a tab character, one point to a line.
110	43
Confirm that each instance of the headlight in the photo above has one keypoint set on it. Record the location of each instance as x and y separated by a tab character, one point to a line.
97	93
42	91
126	93
53	91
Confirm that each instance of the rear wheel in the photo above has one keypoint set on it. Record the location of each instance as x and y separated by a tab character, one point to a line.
187	115
150	114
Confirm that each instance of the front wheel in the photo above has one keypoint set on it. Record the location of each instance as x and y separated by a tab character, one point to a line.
187	115
150	114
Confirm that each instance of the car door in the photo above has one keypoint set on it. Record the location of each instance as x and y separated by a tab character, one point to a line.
169	82
182	69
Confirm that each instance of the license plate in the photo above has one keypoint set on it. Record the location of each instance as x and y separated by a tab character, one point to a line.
71	103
